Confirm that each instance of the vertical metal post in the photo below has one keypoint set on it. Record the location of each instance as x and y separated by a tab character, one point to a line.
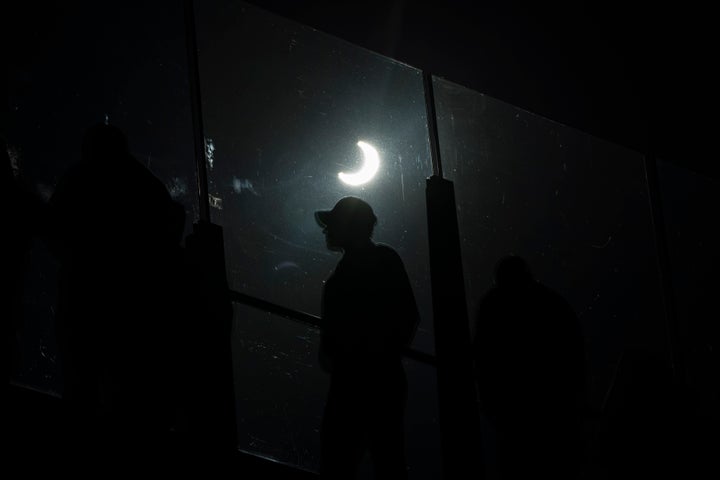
459	414
432	124
196	106
675	334
214	424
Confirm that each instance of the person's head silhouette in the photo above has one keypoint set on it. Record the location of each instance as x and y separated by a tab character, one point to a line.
349	224
512	271
104	143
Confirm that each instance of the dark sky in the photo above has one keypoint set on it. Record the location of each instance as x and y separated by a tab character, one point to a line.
632	74
624	71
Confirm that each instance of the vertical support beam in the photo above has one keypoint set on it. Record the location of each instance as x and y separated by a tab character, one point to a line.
213	422
196	107
432	124
676	338
459	414
213	417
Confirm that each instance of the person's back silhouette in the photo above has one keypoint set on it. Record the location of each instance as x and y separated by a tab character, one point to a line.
115	231
369	315
529	360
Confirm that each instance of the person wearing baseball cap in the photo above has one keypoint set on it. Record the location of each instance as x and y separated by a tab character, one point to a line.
350	223
369	317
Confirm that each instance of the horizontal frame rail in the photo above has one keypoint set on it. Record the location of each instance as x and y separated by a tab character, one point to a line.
312	321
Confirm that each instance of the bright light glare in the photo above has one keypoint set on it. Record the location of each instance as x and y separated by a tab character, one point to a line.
371	164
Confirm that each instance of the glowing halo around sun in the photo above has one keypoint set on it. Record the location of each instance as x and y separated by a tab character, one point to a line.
371	164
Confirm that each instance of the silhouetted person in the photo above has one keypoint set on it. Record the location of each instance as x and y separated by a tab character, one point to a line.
368	316
116	232
530	372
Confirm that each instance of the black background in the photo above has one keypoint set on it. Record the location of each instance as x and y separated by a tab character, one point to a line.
633	73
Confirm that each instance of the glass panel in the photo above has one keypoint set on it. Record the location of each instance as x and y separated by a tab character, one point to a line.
690	204
575	207
279	388
280	392
69	77
284	109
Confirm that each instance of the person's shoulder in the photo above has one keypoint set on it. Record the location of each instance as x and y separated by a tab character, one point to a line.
77	172
386	252
547	292
389	259
77	178
554	298
490	298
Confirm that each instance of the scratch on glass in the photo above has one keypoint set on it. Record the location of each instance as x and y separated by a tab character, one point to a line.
240	184
604	244
215	202
210	151
402	177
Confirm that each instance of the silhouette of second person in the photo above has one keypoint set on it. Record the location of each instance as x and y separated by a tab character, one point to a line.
116	233
530	368
369	316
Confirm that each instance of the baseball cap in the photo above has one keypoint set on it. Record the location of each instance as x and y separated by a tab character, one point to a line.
350	214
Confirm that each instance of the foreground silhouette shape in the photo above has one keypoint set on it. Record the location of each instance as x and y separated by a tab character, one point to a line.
369	316
116	233
24	215
529	360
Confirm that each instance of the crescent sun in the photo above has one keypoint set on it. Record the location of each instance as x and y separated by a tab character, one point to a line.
369	168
